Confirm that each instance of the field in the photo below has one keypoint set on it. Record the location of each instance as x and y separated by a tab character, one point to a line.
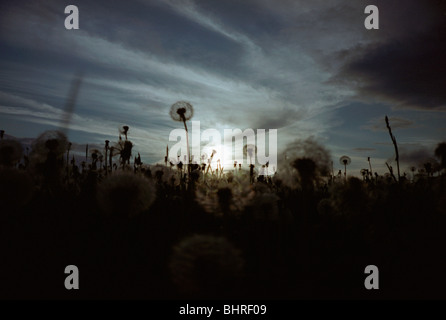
172	231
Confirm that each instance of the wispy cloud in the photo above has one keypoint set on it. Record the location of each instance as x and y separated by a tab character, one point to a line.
364	149
283	65
378	124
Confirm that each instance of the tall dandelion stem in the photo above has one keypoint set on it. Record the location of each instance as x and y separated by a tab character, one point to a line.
345	161
397	158
183	111
370	165
187	144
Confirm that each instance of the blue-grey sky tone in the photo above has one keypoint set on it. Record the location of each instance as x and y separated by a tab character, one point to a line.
306	68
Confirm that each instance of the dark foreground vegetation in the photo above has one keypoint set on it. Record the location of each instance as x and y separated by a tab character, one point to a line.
174	231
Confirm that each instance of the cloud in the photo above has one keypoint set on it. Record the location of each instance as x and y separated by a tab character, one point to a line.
363	149
378	124
251	64
98	129
384	143
416	156
406	68
190	10
264	97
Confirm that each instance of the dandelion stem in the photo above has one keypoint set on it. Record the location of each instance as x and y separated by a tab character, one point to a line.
370	165
395	145
187	144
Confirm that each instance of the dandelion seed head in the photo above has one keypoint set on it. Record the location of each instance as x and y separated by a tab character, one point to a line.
123	148
306	168
264	204
345	160
287	173
205	264
220	196
95	153
181	111
165	175
49	141
11	152
125	194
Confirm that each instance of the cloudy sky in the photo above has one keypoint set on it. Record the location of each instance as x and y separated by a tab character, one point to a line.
306	68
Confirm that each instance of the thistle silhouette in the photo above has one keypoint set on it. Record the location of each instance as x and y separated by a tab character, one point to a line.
124	131
345	160
182	111
370	166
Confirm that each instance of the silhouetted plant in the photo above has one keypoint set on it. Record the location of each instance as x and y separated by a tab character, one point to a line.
125	194
123	148
107	147
370	166
391	171
182	111
350	199
429	169
138	162
96	155
365	174
413	169
345	160
307	172
124	131
284	230
10	152
440	152
205	265
214	152
397	157
110	157
68	152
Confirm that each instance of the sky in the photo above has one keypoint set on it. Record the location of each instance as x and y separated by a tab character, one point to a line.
309	69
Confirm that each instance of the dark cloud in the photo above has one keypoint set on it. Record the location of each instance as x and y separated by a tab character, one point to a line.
251	64
417	156
279	118
407	68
